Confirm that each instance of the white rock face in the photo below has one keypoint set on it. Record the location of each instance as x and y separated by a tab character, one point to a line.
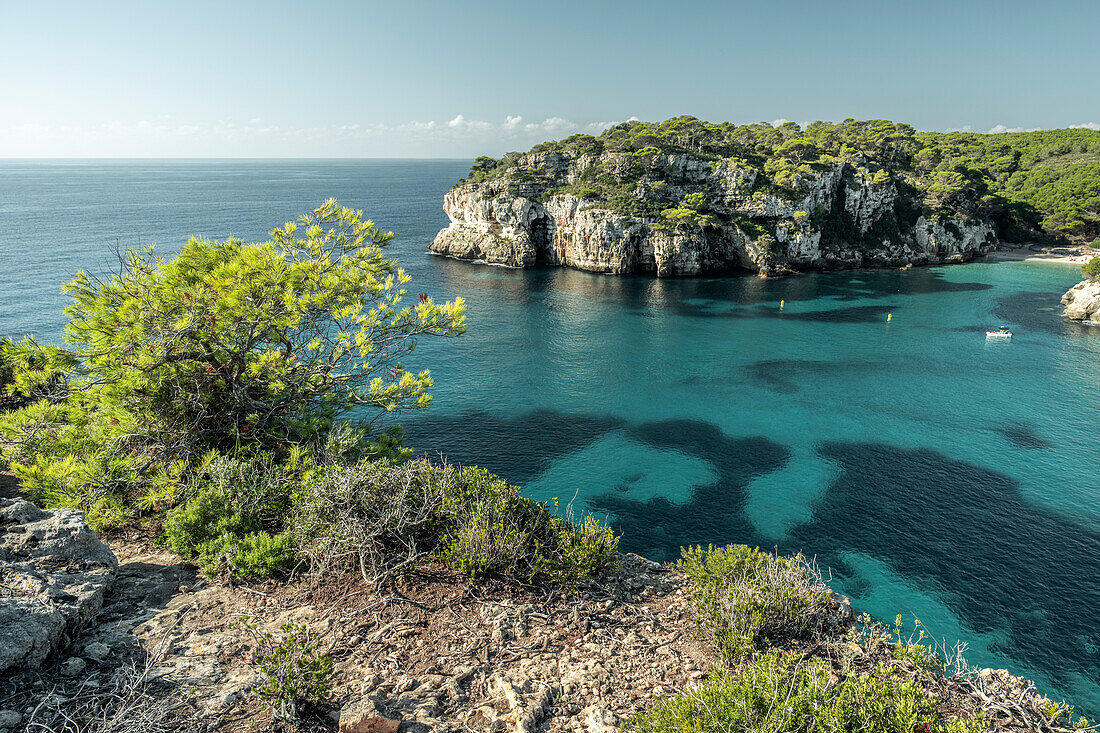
56	571
522	223
1082	301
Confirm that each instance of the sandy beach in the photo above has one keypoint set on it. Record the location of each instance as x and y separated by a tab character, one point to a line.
1058	255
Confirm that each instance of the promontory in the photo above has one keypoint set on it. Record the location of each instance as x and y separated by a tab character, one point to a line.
685	197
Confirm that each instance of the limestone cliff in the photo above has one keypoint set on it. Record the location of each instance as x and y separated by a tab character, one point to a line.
1082	301
541	211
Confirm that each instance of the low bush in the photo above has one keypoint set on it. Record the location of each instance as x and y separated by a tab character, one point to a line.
294	672
747	598
383	518
792	693
234	515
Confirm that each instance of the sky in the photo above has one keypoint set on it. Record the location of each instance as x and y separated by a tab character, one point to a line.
461	78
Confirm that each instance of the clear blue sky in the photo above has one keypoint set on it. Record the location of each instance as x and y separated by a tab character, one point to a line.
405	78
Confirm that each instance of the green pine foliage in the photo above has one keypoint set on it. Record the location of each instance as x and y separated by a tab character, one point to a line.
1091	269
227	346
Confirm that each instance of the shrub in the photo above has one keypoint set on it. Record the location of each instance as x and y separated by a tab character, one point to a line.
294	672
496	531
1091	269
235	514
373	515
746	598
791	693
383	518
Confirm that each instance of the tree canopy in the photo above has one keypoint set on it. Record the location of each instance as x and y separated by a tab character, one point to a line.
226	346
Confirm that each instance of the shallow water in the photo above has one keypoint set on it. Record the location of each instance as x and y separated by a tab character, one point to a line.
933	473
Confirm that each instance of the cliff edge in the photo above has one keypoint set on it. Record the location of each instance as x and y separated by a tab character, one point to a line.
606	205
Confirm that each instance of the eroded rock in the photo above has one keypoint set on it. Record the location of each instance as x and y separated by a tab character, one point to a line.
54	571
1082	301
841	217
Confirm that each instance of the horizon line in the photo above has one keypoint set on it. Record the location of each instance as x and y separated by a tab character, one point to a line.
222	157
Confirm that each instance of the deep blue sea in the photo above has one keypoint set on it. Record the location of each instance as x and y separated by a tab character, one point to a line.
932	473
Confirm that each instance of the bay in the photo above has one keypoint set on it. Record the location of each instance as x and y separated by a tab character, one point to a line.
930	472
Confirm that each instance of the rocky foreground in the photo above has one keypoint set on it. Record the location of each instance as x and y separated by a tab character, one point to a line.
841	216
145	645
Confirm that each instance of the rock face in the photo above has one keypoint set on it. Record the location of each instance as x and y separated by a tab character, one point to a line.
53	573
1082	301
840	217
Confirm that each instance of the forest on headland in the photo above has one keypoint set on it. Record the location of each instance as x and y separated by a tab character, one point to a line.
1035	186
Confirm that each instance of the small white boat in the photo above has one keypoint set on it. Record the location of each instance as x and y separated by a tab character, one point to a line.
1000	333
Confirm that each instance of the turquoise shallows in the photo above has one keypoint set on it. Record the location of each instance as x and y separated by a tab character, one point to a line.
931	472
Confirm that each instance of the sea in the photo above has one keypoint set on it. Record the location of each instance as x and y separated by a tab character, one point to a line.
861	418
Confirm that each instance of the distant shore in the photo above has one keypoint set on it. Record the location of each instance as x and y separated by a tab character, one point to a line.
1062	255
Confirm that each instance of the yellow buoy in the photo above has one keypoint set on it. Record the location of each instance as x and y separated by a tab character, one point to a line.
781	304
889	316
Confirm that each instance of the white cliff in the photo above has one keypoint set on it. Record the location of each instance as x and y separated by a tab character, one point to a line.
835	217
1082	301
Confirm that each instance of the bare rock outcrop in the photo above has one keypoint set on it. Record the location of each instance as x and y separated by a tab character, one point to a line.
54	571
838	217
1082	301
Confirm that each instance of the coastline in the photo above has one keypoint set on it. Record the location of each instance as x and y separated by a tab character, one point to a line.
1060	256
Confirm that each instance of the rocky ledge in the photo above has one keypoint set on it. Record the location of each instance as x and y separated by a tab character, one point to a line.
1082	301
834	217
54	572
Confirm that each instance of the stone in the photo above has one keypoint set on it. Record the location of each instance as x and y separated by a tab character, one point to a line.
9	719
58	570
1082	301
97	650
73	666
361	717
598	719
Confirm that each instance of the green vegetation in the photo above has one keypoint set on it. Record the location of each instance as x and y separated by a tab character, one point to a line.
747	599
793	660
211	391
30	371
688	213
294	672
793	693
1047	178
382	517
1091	269
227	347
1031	184
231	516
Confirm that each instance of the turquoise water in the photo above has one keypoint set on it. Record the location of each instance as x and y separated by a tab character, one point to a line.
932	473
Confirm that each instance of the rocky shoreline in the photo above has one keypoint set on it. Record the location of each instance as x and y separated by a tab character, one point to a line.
840	217
157	648
1082	302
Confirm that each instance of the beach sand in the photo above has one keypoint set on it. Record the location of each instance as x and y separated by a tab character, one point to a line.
1026	254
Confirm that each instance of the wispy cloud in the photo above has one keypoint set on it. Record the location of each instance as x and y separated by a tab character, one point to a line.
997	129
457	136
